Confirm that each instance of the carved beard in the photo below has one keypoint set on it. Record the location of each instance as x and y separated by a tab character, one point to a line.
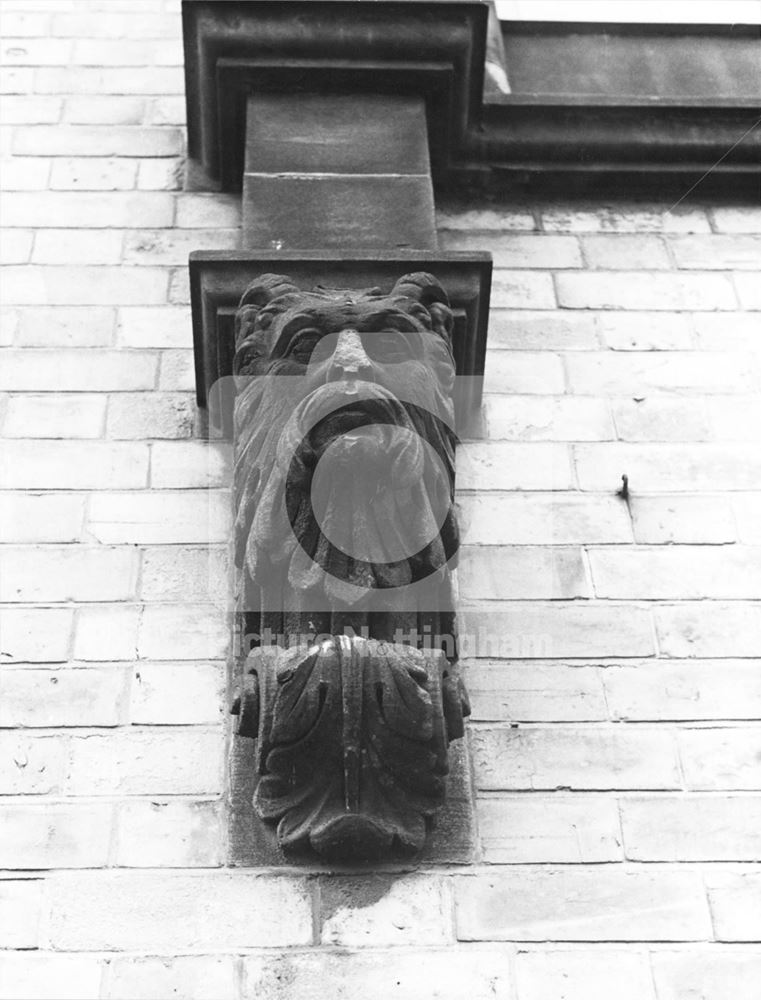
384	514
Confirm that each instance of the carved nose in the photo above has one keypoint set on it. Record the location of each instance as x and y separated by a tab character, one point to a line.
349	358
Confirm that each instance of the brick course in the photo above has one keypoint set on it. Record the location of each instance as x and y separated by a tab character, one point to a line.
615	688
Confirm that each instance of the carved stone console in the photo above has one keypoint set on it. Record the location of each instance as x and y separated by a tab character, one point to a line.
343	374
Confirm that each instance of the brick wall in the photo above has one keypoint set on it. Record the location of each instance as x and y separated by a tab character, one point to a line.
616	734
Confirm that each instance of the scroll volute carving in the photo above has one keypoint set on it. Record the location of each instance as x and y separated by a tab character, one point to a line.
345	540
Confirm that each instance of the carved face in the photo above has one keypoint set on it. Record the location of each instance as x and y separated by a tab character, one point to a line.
345	453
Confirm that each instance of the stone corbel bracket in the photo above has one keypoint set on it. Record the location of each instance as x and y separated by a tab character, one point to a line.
332	117
434	50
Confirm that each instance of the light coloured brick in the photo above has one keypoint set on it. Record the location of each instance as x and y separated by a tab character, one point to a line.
599	903
543	330
93	174
9	318
117	209
68	573
541	519
625	252
150	415
177	373
193	977
714	333
655	418
584	974
77	371
558	418
170	573
106	632
525	372
111	80
535	691
748	291
502	465
744	219
462	216
52	416
36	635
25	24
446	974
84	285
517	250
85	246
167	111
146	762
169	834
540	829
28	110
709	974
16	80
721	758
681	518
747	508
160	517
20	910
161	174
191	464
131	911
25	173
641	374
735	899
30	764
637	290
66	326
692	828
97	141
731	629
522	290
115	21
668	467
724	253
208	211
127	52
73	465
646	331
55	835
179	287
35	51
666	690
151	326
541	630
735	418
624	219
101	110
39	975
495	572
177	694
383	910
172	247
184	631
41	517
33	697
18	249
570	758
674	572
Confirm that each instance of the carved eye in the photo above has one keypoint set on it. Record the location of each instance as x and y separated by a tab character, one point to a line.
302	344
389	346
